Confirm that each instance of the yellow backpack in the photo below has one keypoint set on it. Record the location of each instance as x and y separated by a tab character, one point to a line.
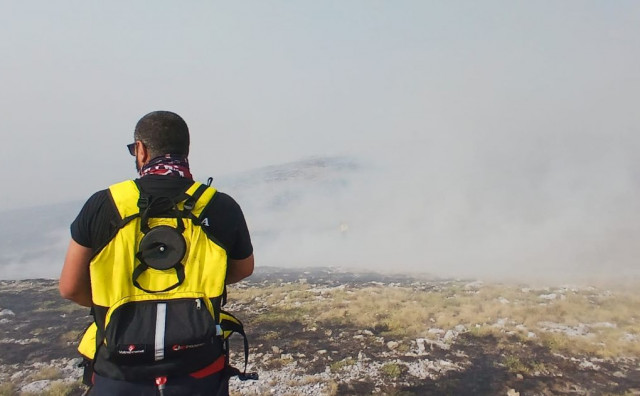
157	289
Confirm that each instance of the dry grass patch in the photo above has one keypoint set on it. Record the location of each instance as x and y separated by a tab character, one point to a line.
516	365
61	306
46	373
339	365
8	389
71	336
393	370
58	389
408	312
281	315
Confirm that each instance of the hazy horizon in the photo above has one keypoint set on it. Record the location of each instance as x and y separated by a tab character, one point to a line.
493	138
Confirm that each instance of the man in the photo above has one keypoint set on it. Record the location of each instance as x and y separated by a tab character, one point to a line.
108	261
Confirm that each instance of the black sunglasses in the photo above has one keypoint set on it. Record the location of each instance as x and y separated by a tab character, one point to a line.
132	148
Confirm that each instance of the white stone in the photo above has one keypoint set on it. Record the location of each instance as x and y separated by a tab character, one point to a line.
606	325
500	323
7	312
421	345
580	330
392	345
551	296
267	357
460	328
450	335
473	285
438	343
445	363
74	362
36	387
589	366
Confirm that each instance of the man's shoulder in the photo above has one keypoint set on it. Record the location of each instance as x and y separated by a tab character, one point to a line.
224	208
94	220
223	196
99	196
97	202
224	200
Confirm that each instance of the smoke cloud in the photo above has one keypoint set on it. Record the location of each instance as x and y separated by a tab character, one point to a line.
527	205
477	139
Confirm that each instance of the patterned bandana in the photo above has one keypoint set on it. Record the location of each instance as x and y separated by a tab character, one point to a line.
168	165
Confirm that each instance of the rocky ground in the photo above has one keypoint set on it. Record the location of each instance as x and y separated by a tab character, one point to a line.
337	355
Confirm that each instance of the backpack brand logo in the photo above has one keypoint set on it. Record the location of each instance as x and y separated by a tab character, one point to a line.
205	222
183	347
130	350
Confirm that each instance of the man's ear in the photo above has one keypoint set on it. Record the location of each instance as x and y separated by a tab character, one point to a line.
143	153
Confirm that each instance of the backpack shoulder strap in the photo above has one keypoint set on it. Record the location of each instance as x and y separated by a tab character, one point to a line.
199	196
125	196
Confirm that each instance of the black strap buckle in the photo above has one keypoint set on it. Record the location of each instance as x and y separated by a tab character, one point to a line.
248	376
143	202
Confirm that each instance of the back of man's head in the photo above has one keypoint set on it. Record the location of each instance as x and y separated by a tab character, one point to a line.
163	132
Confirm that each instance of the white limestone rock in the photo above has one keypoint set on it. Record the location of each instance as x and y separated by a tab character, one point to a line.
36	387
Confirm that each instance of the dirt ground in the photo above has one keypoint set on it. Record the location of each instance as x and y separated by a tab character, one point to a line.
38	328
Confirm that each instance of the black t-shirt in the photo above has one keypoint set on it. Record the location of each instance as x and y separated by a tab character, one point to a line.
99	218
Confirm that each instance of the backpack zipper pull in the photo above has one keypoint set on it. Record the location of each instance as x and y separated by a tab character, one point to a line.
198	304
161	384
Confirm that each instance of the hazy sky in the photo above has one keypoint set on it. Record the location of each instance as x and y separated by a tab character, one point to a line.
492	121
263	82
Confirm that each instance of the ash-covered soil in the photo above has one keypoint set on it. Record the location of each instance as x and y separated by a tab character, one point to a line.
294	356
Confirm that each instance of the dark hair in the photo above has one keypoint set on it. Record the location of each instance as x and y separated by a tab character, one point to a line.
163	132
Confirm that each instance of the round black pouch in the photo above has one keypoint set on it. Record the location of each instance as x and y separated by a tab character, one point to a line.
162	248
